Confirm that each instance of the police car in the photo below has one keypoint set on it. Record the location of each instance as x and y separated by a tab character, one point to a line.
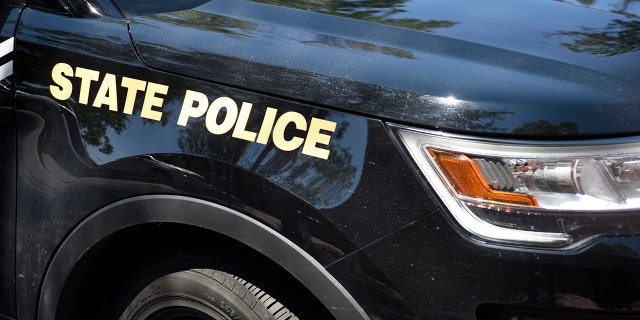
341	159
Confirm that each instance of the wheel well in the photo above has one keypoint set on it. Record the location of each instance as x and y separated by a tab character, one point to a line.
99	276
129	232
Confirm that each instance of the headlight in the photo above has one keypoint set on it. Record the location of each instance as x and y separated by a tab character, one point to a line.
557	195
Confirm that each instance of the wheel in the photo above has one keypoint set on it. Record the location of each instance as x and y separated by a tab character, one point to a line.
198	294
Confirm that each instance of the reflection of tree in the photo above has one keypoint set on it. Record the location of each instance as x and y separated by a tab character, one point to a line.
359	45
380	11
317	181
623	9
454	113
94	123
89	37
244	29
320	182
206	21
546	127
587	3
618	37
474	119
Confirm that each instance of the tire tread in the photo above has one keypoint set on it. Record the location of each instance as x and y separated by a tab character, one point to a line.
255	298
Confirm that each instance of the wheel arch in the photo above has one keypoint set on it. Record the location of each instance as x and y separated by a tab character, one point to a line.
218	219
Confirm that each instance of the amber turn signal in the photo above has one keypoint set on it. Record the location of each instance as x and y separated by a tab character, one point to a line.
465	177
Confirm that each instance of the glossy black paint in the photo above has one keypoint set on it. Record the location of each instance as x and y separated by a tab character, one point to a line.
106	157
443	276
531	72
8	150
364	213
133	212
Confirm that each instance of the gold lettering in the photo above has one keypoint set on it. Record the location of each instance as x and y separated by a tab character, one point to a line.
267	125
195	105
229	118
280	127
151	100
133	86
108	93
239	130
64	87
188	111
314	137
87	76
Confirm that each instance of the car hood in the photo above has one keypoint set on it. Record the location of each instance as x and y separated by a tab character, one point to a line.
539	68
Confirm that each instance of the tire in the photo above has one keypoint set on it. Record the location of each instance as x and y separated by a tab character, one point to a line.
204	294
198	294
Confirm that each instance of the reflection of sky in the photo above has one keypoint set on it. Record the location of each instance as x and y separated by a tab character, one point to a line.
495	56
501	10
523	26
271	44
629	6
508	22
528	27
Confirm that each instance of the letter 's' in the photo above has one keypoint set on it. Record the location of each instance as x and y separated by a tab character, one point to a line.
63	88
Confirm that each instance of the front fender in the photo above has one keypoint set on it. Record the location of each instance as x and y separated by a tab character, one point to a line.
162	208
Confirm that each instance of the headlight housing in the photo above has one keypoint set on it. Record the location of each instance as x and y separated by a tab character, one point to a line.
555	195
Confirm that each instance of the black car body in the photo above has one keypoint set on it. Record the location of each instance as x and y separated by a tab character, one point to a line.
280	133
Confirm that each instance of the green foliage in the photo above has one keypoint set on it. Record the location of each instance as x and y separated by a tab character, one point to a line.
619	37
